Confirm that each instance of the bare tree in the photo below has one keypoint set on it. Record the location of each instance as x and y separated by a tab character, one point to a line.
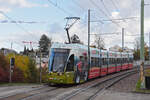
137	49
137	44
99	42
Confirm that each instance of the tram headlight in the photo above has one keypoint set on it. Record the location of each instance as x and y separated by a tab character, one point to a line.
67	75
60	74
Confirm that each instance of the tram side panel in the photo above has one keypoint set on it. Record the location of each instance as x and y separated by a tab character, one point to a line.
112	63
130	61
94	70
104	63
124	61
104	67
118	62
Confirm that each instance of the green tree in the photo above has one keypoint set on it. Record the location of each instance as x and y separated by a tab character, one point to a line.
32	71
44	44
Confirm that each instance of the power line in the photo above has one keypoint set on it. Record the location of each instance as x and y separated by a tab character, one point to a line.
98	8
104	12
107	33
114	5
75	2
105	7
63	10
129	18
19	26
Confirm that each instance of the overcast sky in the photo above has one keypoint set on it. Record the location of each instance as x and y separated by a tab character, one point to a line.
27	20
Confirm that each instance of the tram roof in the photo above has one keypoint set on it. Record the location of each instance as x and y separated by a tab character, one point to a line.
84	47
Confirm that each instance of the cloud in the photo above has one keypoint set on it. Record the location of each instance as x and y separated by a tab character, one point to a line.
2	17
20	3
8	5
115	14
5	9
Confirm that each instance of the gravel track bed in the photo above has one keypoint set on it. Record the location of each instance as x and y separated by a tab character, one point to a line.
126	85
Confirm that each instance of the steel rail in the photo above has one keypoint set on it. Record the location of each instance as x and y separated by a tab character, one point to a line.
101	90
96	84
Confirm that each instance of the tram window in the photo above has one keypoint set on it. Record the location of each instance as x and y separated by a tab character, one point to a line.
92	62
122	60
115	60
109	60
102	61
106	61
97	62
112	60
119	60
70	64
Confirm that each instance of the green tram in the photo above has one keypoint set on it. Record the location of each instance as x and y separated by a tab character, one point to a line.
68	63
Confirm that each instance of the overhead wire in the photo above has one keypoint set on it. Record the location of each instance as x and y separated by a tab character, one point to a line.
63	10
18	25
75	2
114	4
107	10
121	17
104	13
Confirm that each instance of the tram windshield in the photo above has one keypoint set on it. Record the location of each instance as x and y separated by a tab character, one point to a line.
59	59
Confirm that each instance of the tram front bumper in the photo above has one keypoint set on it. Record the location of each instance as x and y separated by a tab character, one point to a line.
57	78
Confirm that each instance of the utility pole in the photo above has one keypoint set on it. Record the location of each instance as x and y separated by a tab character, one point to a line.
40	67
10	68
10	73
149	46
142	46
89	64
122	39
11	45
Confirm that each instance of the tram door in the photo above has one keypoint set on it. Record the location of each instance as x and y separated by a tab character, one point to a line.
82	68
70	64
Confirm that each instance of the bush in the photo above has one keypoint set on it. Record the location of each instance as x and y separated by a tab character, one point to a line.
4	69
25	69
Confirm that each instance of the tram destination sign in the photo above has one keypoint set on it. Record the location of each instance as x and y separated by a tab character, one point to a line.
61	50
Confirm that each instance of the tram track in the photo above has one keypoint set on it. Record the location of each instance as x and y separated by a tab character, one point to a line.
101	90
29	94
90	92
